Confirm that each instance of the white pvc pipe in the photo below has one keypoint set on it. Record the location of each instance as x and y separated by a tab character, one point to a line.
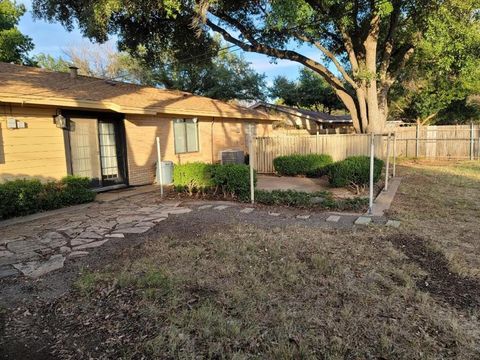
394	170
372	164
250	162
387	165
159	164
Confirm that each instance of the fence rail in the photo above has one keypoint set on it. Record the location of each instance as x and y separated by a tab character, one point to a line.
435	142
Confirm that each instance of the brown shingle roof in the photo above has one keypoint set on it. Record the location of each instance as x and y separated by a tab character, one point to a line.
29	85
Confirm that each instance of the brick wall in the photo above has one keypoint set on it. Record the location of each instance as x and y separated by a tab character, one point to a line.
214	136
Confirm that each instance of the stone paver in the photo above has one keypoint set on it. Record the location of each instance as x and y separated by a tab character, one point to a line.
203	207
221	207
273	214
363	220
247	210
42	244
303	217
393	223
35	269
333	218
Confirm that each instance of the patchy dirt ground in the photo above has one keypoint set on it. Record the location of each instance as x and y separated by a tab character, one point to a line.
220	285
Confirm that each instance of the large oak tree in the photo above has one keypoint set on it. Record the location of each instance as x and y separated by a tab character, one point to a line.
363	45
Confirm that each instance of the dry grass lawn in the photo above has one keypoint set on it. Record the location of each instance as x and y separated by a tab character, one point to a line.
246	292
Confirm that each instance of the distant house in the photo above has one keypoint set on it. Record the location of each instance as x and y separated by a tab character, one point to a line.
53	124
311	121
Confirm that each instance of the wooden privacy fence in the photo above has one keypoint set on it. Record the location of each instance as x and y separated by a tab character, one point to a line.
338	146
435	142
439	142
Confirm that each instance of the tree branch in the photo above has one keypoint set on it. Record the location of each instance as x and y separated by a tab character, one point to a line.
331	56
388	44
257	47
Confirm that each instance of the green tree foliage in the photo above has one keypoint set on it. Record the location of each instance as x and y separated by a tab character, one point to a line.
445	70
14	46
311	91
226	76
367	42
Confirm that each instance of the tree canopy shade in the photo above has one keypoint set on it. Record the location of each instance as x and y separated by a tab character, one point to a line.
367	42
14	46
311	91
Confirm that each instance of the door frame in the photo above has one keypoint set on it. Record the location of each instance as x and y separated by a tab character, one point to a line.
120	138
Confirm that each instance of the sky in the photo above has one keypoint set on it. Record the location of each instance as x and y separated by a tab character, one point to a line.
52	38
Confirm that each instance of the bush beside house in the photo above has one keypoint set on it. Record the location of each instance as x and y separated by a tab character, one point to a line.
23	197
309	165
233	180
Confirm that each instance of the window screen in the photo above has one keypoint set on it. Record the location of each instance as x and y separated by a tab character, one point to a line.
186	135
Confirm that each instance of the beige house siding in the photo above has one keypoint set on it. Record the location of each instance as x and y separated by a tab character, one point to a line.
214	135
36	151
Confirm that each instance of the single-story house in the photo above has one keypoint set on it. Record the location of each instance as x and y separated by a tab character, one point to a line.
304	119
53	124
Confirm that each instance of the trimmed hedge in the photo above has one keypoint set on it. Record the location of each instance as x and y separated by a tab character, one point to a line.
233	180
193	177
23	197
311	165
354	170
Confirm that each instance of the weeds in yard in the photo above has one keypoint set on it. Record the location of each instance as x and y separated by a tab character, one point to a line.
242	292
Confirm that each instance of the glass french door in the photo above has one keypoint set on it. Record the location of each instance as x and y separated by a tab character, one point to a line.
96	151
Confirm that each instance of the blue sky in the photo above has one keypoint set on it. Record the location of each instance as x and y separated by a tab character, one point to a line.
52	38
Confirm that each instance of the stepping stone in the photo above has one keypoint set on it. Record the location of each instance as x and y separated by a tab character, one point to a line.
90	245
6	271
221	207
247	210
35	269
65	250
273	214
132	230
179	211
77	254
120	236
204	207
363	220
303	217
80	241
156	221
333	218
393	223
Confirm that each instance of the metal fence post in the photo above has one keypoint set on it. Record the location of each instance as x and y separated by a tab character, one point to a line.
387	165
372	164
250	162
472	141
417	142
159	164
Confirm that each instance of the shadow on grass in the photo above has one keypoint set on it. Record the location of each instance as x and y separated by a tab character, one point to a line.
460	292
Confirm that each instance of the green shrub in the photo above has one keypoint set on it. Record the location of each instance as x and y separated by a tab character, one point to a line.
23	197
354	170
300	199
193	177
233	180
19	197
310	165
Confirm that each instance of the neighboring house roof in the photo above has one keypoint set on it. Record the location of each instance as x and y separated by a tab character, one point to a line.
35	86
316	116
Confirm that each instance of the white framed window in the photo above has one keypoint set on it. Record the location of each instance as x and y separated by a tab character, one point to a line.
185	132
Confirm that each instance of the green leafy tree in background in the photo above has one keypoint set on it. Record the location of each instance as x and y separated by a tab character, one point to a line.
226	76
14	46
311	91
439	84
367	42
